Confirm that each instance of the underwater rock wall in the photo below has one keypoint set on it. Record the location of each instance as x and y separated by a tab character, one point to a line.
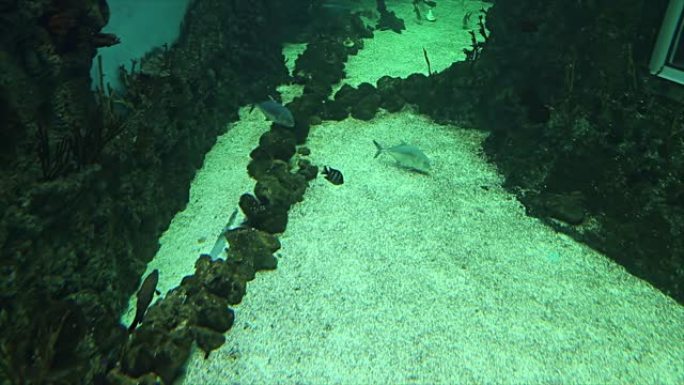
90	180
585	136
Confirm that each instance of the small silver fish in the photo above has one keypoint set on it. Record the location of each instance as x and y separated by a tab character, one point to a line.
406	155
276	112
220	246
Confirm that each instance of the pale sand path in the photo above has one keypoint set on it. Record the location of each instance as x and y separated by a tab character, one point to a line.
398	278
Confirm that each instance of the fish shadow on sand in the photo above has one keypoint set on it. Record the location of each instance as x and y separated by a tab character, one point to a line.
412	170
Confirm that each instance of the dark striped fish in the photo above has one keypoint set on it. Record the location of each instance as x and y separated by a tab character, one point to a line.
332	175
145	296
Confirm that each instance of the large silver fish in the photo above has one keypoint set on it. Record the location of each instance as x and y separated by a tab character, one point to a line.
276	112
406	155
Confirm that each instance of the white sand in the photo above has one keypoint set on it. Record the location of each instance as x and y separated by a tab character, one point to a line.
401	278
396	278
400	55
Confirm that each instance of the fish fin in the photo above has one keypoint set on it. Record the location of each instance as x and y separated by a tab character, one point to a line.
231	220
379	147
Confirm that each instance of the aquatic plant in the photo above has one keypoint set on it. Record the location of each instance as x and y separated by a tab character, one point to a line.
54	160
427	61
476	46
45	350
78	131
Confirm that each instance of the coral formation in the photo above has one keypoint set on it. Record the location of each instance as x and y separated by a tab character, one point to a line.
90	179
196	311
587	135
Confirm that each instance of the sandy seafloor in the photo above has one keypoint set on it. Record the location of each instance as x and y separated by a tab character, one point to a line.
400	278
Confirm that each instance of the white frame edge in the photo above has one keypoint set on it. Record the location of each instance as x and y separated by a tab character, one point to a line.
658	64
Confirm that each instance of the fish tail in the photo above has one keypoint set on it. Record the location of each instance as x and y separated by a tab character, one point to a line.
135	323
379	147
